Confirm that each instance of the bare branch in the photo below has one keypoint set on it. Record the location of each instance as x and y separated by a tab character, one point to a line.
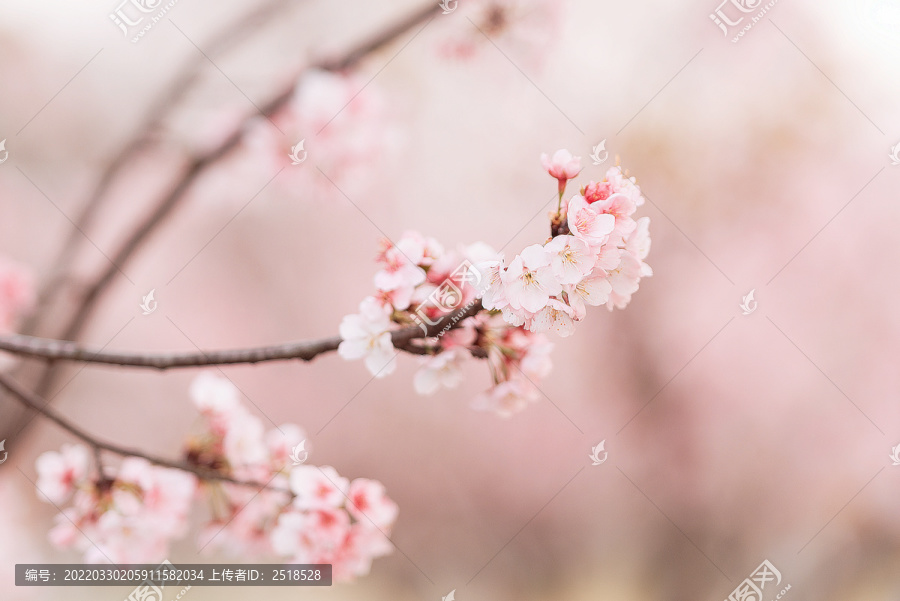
142	231
55	350
156	114
40	405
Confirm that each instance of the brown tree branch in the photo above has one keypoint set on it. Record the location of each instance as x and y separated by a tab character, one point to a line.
142	231
40	405
173	96
55	350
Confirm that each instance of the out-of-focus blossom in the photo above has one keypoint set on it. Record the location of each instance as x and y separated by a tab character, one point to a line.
367	335
344	128
126	515
444	369
59	473
16	293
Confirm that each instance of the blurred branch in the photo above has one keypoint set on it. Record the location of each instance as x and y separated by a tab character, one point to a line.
175	93
40	405
198	165
54	350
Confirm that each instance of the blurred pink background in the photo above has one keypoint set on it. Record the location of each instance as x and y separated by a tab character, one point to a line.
732	438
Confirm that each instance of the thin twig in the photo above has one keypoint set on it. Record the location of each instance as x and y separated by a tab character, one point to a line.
172	97
195	168
56	350
40	405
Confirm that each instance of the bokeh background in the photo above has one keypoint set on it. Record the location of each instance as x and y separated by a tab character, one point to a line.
732	438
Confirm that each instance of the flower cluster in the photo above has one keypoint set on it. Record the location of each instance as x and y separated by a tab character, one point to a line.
127	515
419	284
329	118
306	514
595	256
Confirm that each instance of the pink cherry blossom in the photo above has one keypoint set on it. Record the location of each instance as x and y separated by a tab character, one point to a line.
440	370
618	204
317	487
593	290
494	297
16	293
367	335
401	271
624	280
59	473
638	244
127	516
216	397
165	495
529	280
281	442
244	445
570	258
589	225
562	166
368	502
556	316
344	123
506	398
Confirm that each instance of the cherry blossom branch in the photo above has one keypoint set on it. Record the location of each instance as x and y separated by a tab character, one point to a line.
175	93
54	350
41	406
167	204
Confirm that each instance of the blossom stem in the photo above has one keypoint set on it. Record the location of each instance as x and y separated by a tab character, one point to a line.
41	406
55	350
